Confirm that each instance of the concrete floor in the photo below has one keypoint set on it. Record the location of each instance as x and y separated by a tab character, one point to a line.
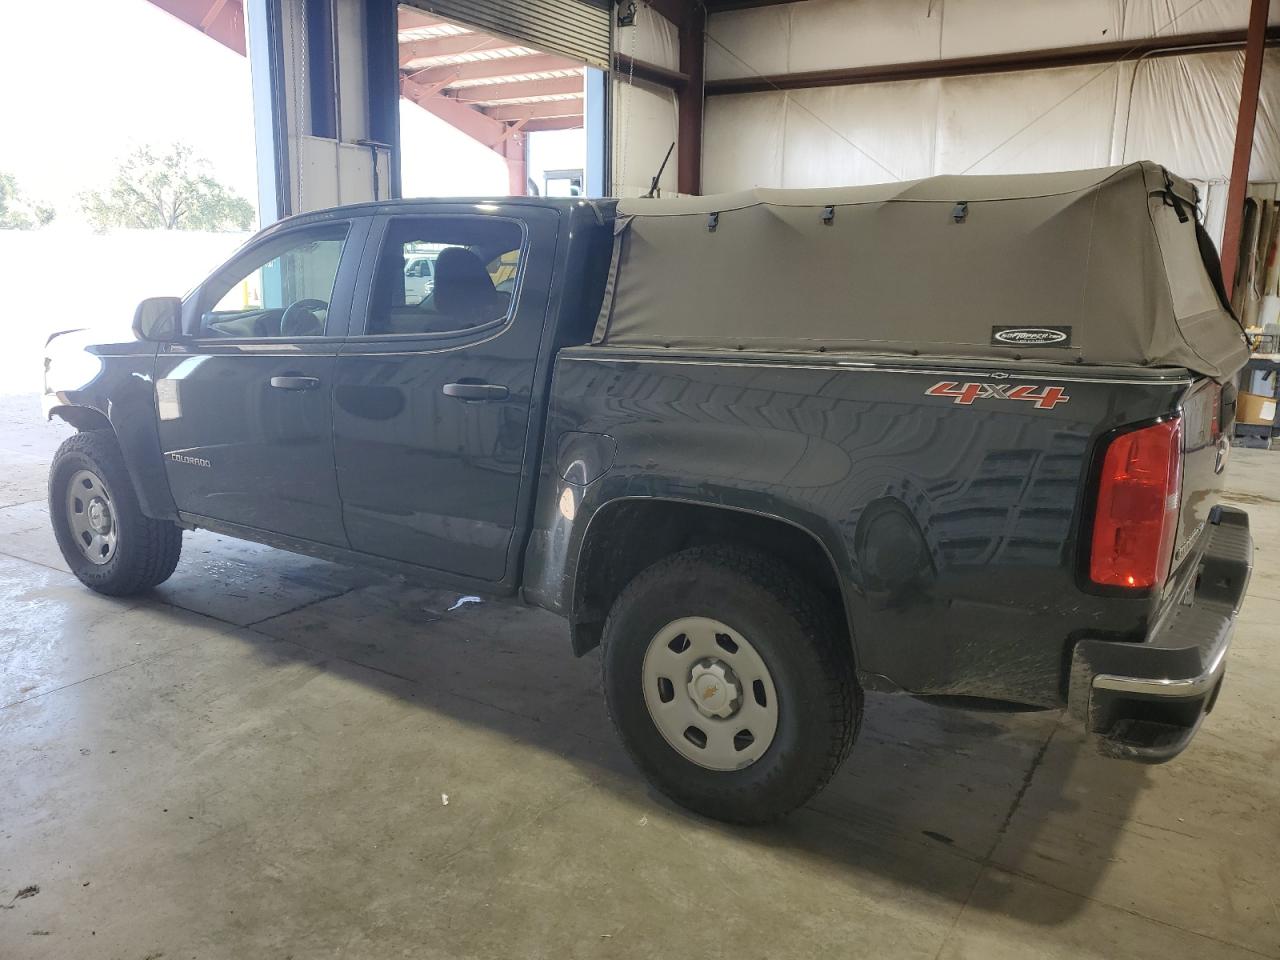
252	763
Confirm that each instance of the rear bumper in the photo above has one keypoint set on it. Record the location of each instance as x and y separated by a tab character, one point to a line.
1145	701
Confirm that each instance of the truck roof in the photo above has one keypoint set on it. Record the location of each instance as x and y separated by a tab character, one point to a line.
596	207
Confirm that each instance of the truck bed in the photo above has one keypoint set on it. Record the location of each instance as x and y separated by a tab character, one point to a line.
950	493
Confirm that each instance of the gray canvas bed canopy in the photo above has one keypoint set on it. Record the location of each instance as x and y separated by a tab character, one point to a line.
1109	265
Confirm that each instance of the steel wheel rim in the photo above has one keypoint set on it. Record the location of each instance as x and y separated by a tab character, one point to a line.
710	694
91	517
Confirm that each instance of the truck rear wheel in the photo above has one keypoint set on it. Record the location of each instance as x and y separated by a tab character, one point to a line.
108	542
730	683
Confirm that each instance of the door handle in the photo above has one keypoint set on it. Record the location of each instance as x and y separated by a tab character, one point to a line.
476	392
295	383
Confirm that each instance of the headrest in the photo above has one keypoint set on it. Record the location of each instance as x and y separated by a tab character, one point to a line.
463	287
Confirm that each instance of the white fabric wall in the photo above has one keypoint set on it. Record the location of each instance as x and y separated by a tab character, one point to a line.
1179	111
829	34
644	115
644	126
1182	113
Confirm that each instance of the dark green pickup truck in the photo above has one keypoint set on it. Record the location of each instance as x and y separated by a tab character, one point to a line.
959	439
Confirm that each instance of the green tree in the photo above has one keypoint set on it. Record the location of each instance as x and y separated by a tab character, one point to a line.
172	190
16	211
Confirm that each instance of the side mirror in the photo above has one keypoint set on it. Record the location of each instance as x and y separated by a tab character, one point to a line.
158	319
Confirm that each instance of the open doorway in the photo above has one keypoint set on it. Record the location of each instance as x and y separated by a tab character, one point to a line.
485	115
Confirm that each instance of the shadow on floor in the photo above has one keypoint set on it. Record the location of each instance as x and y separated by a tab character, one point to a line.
928	797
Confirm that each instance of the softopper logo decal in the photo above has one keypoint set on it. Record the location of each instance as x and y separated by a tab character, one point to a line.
1043	398
1031	336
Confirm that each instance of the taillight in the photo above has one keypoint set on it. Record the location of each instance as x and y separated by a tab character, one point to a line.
1137	513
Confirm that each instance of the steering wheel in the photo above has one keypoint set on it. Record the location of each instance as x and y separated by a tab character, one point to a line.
299	319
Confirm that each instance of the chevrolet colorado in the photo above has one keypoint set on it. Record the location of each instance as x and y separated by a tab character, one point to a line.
959	438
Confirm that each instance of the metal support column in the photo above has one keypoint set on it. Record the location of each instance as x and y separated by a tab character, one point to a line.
383	79
271	138
1253	54
595	117
513	152
690	100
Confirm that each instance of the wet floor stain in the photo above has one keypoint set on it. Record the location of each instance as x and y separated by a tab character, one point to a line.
23	894
1247	497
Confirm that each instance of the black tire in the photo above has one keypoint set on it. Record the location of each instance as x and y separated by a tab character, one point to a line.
146	550
795	632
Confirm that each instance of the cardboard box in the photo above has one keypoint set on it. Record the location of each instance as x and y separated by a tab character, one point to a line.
1256	409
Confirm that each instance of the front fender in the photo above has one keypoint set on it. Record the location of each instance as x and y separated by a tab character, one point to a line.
94	385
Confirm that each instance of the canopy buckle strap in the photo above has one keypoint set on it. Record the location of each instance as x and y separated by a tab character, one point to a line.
1171	199
960	211
828	214
713	221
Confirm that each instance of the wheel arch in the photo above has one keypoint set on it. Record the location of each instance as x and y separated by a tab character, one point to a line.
81	417
655	527
133	428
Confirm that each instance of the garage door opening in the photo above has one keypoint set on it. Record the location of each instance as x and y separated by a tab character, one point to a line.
487	115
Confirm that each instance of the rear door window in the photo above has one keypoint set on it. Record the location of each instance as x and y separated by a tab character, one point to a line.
445	275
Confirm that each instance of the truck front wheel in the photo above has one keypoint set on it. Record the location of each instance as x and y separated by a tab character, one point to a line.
730	683
108	542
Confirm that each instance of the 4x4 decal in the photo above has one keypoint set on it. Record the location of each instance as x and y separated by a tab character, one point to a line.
1044	397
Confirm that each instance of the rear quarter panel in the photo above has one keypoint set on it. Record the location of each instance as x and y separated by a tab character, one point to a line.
954	526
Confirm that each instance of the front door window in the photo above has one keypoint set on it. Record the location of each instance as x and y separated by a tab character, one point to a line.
282	290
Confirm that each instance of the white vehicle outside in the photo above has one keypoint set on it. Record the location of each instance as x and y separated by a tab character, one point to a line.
419	279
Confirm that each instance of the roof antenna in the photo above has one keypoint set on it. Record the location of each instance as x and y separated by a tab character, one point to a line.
653	186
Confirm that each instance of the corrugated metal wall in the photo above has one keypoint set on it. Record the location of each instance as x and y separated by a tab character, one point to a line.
575	28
